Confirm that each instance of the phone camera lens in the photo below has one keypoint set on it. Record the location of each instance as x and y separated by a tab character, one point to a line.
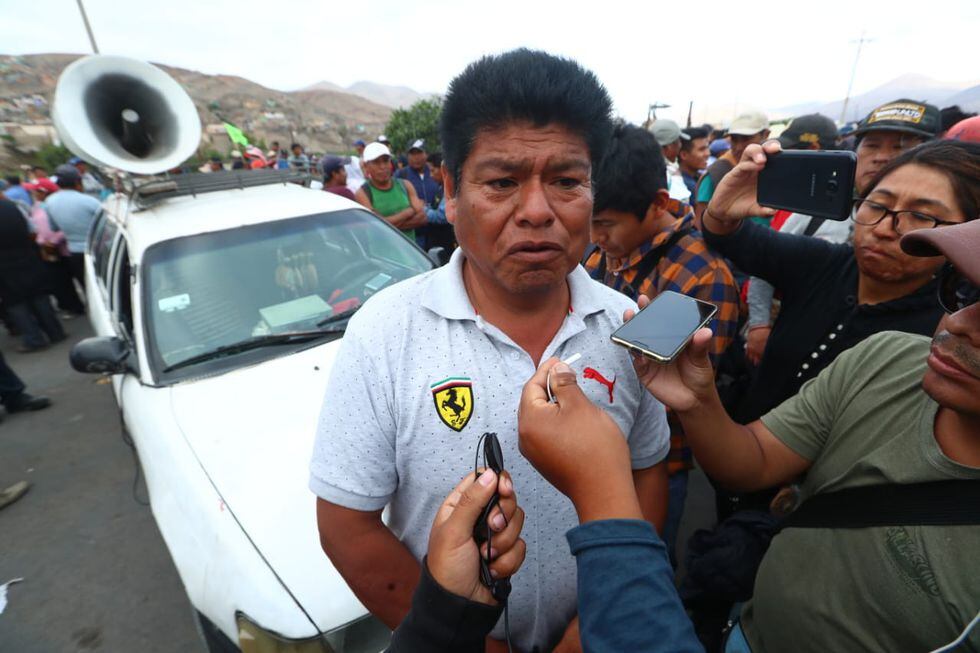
832	186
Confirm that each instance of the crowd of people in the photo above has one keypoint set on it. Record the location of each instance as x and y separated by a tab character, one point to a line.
832	401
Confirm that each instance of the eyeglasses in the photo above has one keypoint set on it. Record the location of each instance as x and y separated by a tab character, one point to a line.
956	292
870	213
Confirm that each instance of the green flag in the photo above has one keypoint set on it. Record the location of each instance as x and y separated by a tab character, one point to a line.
235	134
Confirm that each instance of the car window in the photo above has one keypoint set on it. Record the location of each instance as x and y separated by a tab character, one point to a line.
97	225
210	290
122	295
101	248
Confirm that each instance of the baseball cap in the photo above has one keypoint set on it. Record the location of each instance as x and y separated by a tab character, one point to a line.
330	163
906	116
383	139
417	144
959	243
44	184
667	132
809	129
360	142
749	124
67	176
235	154
374	150
75	160
965	130
719	146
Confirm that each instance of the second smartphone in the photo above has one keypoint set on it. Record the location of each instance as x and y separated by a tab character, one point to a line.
661	330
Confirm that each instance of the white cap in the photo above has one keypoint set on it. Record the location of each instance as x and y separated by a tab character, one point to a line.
235	154
749	124
373	150
382	139
418	144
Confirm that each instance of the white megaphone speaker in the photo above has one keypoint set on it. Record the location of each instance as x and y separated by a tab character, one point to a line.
125	114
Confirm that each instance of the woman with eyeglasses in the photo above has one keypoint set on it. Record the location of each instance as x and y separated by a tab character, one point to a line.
836	295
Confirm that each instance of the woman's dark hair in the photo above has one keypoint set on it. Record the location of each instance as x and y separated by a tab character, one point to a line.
523	85
959	161
631	173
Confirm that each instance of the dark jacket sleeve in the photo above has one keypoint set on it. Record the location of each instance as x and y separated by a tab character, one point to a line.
439	621
626	595
784	260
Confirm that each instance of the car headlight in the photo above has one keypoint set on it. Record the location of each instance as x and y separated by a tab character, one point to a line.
364	635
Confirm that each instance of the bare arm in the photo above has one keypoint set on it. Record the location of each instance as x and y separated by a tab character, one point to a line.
417	218
363	199
651	490
355	541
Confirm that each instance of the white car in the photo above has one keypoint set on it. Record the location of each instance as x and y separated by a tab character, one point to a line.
219	315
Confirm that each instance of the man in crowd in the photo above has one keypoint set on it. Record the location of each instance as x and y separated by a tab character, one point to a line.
716	148
355	170
644	250
746	129
335	176
393	199
419	175
429	364
669	135
16	192
298	160
870	435
13	393
884	133
90	184
693	156
72	212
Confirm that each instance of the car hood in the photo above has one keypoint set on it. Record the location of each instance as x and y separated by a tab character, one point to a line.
252	429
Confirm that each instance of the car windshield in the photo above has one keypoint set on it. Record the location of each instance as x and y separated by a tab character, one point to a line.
210	292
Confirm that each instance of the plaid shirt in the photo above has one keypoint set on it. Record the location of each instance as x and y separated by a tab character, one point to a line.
689	268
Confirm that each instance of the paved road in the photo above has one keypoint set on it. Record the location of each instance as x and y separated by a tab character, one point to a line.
97	576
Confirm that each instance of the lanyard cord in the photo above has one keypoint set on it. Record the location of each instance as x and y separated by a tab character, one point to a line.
500	590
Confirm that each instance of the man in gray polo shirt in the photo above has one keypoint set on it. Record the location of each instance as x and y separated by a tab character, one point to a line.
430	364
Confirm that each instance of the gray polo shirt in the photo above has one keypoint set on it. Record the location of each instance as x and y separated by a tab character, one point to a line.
72	213
419	377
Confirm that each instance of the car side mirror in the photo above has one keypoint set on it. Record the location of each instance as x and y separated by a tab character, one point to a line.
438	255
105	355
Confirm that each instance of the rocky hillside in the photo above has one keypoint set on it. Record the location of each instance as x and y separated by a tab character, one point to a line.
323	120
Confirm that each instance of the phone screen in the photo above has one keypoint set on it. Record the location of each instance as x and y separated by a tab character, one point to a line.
665	326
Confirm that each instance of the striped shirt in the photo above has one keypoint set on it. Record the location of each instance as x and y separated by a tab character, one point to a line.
689	268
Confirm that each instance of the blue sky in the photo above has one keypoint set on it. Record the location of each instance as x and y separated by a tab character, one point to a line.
761	54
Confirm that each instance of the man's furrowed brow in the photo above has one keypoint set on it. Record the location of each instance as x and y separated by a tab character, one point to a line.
510	166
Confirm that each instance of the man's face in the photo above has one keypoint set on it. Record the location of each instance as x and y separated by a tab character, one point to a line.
953	376
670	151
436	173
740	142
338	177
82	167
522	207
696	157
416	160
360	150
914	188
297	150
216	165
875	150
618	233
379	170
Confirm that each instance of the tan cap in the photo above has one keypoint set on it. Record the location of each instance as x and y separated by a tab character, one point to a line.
959	243
749	124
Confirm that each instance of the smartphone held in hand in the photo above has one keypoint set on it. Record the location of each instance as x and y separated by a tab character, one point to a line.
809	182
661	330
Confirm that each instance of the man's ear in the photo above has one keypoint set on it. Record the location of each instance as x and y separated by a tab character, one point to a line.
449	184
660	203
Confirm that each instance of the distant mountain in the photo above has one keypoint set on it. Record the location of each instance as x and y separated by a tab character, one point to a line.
396	97
914	87
968	99
322	119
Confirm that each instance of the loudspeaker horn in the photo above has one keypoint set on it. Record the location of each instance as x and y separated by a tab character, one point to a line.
125	114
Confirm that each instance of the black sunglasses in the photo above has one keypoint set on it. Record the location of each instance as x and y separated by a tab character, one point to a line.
956	292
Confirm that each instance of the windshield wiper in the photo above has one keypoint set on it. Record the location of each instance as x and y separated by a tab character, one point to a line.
337	317
256	342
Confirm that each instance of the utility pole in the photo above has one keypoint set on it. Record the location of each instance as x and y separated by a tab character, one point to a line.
861	41
88	28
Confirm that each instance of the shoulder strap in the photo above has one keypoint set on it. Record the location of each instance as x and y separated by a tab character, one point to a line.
366	187
813	225
936	503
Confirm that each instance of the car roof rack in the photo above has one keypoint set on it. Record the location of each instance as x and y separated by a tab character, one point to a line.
144	193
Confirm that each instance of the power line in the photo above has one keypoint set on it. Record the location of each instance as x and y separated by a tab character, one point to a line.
88	28
860	42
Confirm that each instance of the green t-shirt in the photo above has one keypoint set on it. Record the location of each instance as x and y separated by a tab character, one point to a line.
866	420
391	201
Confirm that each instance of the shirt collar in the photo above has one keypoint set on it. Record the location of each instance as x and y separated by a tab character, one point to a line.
637	255
445	293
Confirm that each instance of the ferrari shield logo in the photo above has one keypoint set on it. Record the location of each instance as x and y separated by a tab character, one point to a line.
454	401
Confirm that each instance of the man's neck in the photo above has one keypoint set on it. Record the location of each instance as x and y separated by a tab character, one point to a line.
385	186
688	171
531	322
875	291
419	171
958	436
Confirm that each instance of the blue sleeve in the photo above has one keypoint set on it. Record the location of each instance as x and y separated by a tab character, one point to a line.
626	595
437	216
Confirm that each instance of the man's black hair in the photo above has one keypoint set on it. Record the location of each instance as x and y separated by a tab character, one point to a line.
523	85
295	145
693	133
631	173
13	180
949	116
434	159
274	143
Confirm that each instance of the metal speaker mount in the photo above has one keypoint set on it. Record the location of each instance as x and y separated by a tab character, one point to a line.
125	114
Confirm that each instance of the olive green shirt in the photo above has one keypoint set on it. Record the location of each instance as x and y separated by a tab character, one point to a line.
865	420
